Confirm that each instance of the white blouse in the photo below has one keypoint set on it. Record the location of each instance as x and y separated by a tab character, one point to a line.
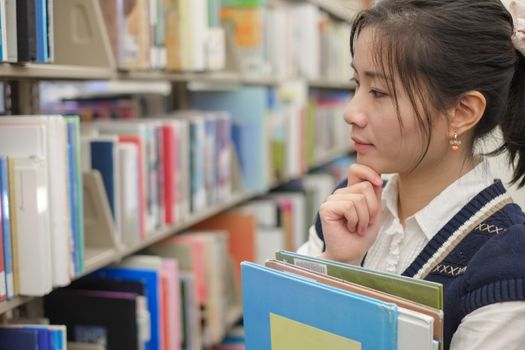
396	247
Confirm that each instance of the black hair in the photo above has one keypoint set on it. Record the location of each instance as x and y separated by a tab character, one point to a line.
441	49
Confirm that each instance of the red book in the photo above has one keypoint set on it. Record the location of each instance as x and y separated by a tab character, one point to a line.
169	161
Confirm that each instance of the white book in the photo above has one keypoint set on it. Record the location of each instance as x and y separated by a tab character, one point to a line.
268	240
60	215
12	38
415	330
307	41
34	253
198	33
129	192
46	137
216	49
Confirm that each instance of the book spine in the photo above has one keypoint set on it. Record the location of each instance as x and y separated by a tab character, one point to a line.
6	229
11	29
26	31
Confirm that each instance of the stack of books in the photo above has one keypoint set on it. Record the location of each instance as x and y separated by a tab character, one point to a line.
301	302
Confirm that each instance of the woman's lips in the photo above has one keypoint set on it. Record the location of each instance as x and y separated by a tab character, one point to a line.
361	146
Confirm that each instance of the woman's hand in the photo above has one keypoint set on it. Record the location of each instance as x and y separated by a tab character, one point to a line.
350	216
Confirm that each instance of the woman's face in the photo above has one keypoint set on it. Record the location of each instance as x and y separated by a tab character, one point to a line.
380	141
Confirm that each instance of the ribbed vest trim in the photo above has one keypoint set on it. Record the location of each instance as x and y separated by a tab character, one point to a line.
475	212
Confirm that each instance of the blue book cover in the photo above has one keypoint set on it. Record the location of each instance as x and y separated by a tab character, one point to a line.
103	160
73	140
44	337
73	202
49	337
150	278
18	338
248	108
6	227
42	53
57	336
284	311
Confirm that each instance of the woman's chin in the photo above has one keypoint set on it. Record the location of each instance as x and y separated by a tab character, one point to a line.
375	164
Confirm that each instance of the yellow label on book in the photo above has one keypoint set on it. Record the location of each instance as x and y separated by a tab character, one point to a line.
289	334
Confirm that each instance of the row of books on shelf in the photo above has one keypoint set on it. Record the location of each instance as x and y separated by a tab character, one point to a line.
298	39
277	132
26	31
155	172
188	35
291	39
183	292
162	169
299	302
42	207
150	302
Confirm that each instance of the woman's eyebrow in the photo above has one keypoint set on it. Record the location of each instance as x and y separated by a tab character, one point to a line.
372	74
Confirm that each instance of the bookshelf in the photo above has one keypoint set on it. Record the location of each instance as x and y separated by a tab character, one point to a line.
100	257
100	248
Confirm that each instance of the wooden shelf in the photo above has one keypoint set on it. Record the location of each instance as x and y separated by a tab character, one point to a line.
63	72
14	303
54	72
96	258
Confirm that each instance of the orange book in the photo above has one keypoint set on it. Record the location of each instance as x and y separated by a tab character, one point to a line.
241	230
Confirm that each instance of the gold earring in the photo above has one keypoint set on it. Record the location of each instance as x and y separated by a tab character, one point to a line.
455	143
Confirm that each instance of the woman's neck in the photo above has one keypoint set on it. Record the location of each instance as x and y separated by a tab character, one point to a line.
419	187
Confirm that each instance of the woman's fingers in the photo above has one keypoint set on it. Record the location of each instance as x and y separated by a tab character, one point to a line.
358	173
353	207
366	189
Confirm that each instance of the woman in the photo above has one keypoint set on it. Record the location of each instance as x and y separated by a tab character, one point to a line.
434	77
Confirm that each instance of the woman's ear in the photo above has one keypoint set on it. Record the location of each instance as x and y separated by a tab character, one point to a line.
467	112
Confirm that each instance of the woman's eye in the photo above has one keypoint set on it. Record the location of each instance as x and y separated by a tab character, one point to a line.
377	94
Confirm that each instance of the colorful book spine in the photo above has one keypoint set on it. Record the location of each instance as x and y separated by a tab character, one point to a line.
73	201
74	141
6	228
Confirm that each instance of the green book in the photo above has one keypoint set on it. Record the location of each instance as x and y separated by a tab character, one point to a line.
420	291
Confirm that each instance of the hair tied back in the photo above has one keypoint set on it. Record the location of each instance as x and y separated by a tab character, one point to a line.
517	10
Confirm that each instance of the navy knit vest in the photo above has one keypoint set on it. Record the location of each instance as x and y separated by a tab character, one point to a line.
487	265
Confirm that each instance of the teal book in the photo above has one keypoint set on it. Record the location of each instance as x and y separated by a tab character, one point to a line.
283	311
420	291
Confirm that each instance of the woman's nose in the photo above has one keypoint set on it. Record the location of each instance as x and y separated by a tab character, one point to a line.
355	112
